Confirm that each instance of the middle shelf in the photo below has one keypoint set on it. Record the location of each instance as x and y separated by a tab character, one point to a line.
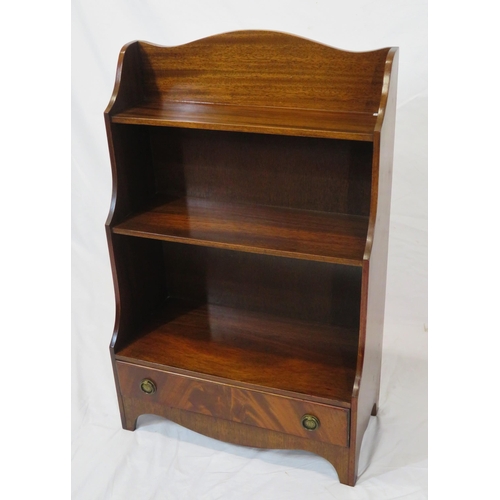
285	232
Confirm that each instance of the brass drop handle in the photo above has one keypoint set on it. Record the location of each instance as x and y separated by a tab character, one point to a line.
148	386
310	422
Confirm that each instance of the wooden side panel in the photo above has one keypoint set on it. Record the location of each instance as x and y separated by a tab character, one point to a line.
128	89
276	413
139	284
134	182
261	68
367	385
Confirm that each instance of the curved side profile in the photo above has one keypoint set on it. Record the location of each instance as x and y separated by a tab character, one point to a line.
367	382
248	235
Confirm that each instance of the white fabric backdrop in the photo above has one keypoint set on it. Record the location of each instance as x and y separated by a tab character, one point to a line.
161	460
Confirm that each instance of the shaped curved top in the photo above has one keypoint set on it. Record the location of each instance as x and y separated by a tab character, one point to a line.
251	68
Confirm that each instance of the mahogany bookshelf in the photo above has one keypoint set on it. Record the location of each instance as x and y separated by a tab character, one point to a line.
248	238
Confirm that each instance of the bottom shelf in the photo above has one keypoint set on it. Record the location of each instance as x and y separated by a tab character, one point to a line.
283	355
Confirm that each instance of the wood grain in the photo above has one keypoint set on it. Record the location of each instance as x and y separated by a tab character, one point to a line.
262	68
290	172
318	236
263	120
227	402
367	385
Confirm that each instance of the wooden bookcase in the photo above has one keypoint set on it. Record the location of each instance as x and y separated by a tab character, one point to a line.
248	238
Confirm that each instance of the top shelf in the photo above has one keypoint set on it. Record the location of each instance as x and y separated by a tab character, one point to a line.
265	120
254	81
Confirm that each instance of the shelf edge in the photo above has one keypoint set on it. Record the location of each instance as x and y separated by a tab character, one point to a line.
240	248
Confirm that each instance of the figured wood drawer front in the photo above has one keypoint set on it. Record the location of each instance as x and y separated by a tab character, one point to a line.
268	411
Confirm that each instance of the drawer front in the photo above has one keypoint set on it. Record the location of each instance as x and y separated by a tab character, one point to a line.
250	407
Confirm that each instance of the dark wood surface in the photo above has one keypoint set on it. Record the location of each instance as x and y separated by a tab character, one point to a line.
250	348
290	172
262	68
139	281
308	186
133	181
127	90
265	120
367	386
305	290
152	270
251	81
246	406
318	236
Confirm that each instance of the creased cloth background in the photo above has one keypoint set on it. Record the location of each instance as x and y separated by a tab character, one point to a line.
161	460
